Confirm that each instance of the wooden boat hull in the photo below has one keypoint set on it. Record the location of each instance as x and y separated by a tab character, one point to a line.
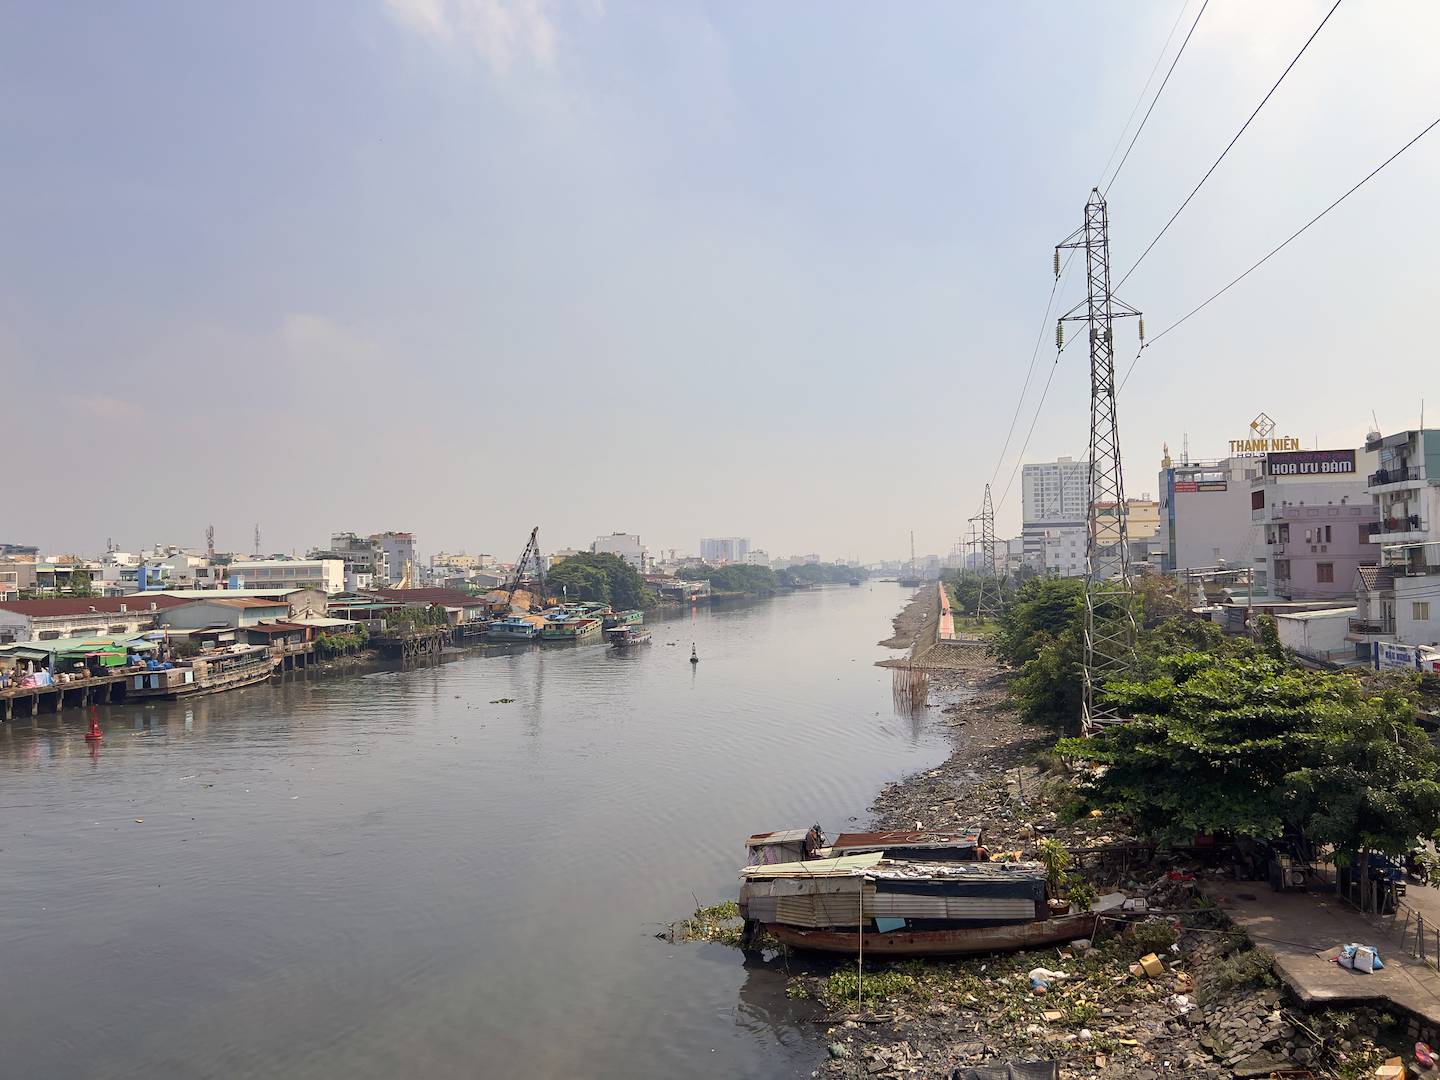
962	941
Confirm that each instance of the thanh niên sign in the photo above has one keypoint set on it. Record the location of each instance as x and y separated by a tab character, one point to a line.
1279	443
1311	463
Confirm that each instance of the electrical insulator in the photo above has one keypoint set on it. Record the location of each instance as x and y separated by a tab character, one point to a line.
1057	262
1059	335
1142	329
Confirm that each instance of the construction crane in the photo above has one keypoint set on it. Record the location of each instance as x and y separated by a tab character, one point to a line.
531	552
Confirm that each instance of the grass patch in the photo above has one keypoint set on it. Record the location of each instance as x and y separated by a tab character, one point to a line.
1237	971
719	923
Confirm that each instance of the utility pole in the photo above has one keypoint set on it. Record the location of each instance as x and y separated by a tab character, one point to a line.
1109	598
988	604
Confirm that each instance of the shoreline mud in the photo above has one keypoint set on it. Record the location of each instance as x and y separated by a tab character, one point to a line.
1213	1012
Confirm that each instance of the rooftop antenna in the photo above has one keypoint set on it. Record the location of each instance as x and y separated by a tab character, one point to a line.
210	542
257	540
1185	448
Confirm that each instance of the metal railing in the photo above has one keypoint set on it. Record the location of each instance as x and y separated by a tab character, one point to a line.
1395	476
1391	526
1365	626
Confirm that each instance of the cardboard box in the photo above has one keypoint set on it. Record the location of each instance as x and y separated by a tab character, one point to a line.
1393	1069
1151	965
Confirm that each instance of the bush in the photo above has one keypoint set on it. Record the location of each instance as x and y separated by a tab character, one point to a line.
1153	936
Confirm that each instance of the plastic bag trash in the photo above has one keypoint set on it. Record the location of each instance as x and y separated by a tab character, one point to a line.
1043	977
1363	958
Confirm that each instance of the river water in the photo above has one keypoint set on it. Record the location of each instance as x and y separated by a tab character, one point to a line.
398	874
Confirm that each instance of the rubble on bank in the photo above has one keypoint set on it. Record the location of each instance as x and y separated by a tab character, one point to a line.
1213	1011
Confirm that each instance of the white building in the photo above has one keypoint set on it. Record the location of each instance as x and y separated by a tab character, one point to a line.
327	575
724	549
399	552
1205	514
1054	494
1063	551
757	557
625	545
63	616
1399	601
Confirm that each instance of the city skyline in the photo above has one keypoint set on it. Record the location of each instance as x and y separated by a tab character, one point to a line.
755	240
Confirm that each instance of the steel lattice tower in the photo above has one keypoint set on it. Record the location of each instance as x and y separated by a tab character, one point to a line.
988	604
1109	597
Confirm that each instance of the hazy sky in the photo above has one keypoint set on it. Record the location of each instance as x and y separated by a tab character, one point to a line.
766	269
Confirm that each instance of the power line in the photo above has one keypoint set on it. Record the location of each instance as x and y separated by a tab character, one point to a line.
1230	144
1156	98
1021	455
1278	248
1055	286
1145	89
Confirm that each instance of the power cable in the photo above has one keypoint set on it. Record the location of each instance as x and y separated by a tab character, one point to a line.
1156	98
1146	88
1232	142
1034	354
1021	455
1278	248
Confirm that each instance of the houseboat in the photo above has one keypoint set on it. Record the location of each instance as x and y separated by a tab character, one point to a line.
625	637
210	673
571	628
513	628
623	618
899	907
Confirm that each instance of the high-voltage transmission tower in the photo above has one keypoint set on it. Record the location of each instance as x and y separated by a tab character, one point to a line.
1109	597
987	606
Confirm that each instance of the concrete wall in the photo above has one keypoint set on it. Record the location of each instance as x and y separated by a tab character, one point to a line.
1317	634
200	613
1414	625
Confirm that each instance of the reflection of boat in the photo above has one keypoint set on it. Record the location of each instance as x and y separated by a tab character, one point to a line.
514	628
623	637
237	666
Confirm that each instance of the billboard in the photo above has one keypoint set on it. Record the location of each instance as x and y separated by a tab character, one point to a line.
1311	463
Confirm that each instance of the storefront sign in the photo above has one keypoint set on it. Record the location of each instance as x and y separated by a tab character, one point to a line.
1311	463
1252	447
1212	485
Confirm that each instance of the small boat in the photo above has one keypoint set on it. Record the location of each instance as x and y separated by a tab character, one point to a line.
960	941
514	628
694	656
926	905
623	637
571	628
209	673
855	581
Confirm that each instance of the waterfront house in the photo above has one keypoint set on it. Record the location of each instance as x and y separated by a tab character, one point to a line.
237	611
460	607
55	617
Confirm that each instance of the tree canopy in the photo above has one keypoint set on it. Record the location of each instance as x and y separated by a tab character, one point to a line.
601	578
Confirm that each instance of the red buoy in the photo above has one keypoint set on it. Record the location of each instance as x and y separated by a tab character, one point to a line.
94	734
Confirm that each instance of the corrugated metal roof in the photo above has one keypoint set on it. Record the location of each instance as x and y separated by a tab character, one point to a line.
53	606
244	602
848	866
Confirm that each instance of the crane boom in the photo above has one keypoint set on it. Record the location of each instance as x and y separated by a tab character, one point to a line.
532	551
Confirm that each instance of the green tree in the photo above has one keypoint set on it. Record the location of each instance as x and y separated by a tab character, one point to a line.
599	577
1237	740
1043	609
80	583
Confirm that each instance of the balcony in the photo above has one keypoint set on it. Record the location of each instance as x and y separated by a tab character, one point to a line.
1395	478
1367	628
1397	530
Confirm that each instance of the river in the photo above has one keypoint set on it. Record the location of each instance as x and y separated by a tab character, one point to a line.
399	874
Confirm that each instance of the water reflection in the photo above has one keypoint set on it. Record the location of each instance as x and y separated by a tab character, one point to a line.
399	873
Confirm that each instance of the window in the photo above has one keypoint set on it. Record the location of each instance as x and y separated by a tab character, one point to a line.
1309	537
1284	534
120	628
1327	534
1282	569
1420	610
49	635
1325	573
1365	534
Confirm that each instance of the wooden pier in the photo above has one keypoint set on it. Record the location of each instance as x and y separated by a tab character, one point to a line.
79	694
413	644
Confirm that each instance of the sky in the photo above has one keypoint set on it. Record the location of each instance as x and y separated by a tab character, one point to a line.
463	267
